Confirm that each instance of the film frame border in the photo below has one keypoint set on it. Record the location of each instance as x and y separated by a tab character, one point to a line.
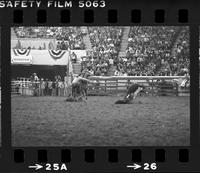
147	152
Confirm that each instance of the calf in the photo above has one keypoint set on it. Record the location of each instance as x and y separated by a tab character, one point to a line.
133	89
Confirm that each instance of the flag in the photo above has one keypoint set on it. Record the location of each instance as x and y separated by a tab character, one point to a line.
21	52
56	54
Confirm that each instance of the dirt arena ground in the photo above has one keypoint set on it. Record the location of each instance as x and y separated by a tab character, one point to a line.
150	121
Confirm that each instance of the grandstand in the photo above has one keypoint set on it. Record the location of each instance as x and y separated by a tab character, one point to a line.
121	51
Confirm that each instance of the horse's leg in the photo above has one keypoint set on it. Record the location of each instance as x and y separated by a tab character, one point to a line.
86	93
78	92
83	94
73	92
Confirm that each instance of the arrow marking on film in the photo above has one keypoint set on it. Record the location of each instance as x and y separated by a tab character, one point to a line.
36	166
135	166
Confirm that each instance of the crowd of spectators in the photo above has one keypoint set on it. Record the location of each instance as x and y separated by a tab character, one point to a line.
47	87
150	52
180	61
105	48
66	37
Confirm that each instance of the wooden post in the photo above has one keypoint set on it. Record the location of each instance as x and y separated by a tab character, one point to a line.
176	89
128	81
105	85
117	84
97	88
151	86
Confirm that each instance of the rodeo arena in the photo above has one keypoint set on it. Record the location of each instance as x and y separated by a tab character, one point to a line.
100	86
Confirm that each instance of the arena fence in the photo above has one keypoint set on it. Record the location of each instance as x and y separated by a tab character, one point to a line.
29	88
156	85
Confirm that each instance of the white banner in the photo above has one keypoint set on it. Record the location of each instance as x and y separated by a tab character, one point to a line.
41	57
27	60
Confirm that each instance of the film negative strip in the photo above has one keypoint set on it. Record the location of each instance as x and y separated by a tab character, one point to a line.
99	86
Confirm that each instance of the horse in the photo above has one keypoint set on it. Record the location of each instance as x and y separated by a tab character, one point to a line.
84	84
79	90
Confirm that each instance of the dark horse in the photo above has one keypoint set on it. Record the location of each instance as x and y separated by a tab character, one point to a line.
84	85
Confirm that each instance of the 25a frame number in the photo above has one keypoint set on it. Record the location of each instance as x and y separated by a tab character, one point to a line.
55	167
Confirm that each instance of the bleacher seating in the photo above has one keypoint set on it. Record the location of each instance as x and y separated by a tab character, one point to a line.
157	50
65	37
105	46
149	51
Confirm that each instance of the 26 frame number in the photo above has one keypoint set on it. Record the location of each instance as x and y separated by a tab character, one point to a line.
150	166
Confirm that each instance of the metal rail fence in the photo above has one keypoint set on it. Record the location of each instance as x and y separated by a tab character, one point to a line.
156	85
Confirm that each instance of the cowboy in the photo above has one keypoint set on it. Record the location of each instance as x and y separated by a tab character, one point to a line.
42	87
35	83
77	83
